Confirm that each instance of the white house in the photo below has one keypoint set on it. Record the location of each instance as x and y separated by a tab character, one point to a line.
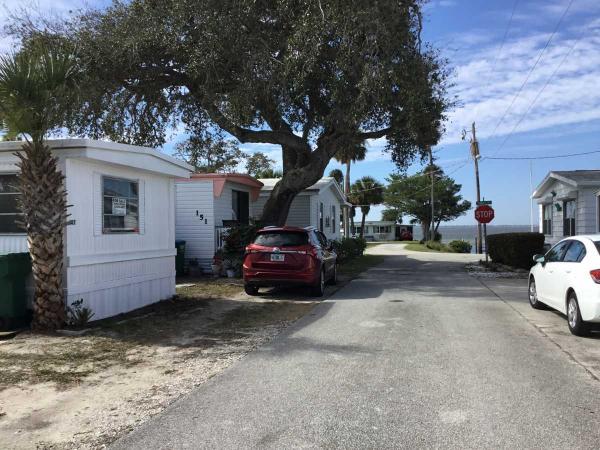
569	203
377	230
205	207
120	241
319	206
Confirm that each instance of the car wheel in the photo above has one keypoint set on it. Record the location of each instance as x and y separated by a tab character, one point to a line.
250	290
576	324
333	279
533	298
319	289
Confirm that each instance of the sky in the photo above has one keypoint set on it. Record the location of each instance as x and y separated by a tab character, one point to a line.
527	72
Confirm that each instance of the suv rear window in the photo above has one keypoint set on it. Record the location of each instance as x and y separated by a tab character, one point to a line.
281	238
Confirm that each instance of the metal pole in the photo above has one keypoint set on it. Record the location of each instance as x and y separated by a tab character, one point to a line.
486	245
475	154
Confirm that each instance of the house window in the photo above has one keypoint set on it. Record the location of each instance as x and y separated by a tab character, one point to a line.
333	218
569	218
9	209
240	205
321	217
547	219
120	206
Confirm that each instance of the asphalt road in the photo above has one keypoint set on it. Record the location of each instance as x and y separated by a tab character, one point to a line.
415	353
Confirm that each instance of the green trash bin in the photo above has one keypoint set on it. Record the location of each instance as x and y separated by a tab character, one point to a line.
180	258
14	269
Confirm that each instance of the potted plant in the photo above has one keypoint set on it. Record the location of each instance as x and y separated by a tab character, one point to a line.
229	268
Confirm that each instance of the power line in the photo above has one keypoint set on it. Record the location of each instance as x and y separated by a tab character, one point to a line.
565	57
543	157
532	68
499	52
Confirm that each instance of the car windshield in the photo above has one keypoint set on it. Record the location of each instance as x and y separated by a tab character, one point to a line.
281	238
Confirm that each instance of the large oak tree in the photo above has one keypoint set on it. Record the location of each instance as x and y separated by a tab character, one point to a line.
312	76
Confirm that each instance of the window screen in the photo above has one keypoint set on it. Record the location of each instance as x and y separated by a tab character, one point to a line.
120	205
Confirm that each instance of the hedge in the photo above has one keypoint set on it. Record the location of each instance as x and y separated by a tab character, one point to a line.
460	246
348	248
515	249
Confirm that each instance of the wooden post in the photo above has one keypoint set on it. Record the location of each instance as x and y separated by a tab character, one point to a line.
475	154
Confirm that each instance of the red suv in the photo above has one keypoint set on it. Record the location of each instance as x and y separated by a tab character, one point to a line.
289	256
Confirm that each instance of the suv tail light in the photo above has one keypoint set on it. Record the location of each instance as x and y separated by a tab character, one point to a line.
595	275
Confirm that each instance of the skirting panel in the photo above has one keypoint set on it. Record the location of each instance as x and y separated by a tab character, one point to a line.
115	288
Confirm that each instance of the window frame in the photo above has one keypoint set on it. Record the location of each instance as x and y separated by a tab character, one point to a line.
569	230
16	214
567	244
547	223
108	231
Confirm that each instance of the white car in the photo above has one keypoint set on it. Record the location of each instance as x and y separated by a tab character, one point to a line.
567	279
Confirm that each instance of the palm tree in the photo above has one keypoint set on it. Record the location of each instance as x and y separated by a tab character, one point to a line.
337	175
366	192
35	86
347	156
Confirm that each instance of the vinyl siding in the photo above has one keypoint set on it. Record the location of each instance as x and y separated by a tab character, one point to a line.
223	205
195	198
299	215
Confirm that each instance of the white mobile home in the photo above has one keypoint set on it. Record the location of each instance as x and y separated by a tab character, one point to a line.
120	241
206	205
319	206
377	230
569	204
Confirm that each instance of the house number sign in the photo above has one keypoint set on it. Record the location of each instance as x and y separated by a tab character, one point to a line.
119	206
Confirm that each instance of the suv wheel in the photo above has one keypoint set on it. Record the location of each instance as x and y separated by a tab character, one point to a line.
250	290
333	279
319	288
576	324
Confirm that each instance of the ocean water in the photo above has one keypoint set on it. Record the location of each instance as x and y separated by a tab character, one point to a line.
469	232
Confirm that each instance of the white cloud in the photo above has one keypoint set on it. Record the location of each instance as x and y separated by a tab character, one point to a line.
487	91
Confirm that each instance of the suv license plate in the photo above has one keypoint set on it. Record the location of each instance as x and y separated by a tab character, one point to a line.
277	257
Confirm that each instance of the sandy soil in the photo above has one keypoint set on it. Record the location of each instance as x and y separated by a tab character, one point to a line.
85	391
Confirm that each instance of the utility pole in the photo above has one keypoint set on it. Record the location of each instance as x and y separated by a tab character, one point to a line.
432	225
531	195
475	154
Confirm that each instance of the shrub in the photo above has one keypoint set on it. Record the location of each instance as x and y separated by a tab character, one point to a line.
515	249
238	237
348	248
436	245
460	246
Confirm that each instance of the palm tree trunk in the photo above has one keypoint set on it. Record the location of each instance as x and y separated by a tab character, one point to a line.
362	225
44	206
347	230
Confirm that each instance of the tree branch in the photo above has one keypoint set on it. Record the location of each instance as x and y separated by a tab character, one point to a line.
374	134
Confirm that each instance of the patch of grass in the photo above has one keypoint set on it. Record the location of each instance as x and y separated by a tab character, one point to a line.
63	360
357	265
218	288
417	247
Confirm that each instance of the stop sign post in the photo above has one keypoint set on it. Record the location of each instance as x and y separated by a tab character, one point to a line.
484	214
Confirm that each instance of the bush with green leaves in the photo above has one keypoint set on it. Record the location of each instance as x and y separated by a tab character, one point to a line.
348	248
235	242
436	245
515	249
460	246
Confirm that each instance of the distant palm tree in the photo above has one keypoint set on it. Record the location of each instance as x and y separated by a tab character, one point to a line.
338	176
35	86
348	156
366	192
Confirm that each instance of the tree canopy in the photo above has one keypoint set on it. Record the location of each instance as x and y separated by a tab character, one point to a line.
259	163
210	153
411	195
313	77
364	193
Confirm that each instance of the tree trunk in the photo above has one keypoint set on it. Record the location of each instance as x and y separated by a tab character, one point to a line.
44	206
362	225
308	169
347	179
426	228
347	219
351	213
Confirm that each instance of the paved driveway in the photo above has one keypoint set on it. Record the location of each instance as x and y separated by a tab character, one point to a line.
416	353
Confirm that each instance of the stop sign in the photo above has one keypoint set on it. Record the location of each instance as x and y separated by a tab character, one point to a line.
484	214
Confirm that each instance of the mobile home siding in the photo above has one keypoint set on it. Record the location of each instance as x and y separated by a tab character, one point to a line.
115	273
223	204
195	198
300	210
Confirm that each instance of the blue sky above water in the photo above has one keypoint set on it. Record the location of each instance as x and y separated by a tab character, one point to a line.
565	117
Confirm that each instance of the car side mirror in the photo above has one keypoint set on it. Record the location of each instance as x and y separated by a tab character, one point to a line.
539	259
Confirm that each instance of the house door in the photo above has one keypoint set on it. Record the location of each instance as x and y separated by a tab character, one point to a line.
569	210
241	206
